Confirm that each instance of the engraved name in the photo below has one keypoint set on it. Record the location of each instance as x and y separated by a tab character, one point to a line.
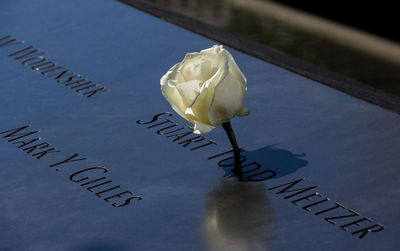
37	61
314	202
91	178
170	129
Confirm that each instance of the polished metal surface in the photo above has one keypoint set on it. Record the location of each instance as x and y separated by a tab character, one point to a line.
159	194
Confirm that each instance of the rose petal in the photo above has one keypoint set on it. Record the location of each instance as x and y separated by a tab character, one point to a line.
227	101
171	94
211	52
244	112
236	72
189	91
175	74
201	105
196	66
220	58
200	128
198	69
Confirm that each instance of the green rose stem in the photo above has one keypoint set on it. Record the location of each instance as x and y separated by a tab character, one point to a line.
236	149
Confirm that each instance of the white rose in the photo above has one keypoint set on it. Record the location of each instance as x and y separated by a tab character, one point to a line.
207	88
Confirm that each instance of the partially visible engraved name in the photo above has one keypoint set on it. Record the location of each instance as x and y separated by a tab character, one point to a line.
36	60
28	142
167	127
332	212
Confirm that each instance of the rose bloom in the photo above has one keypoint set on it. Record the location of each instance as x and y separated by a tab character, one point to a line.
207	88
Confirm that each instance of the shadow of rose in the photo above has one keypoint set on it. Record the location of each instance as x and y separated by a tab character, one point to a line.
238	216
262	164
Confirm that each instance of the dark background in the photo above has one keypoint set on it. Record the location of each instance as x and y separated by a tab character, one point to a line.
378	17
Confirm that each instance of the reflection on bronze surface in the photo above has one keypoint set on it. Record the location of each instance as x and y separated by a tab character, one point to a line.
238	216
361	56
